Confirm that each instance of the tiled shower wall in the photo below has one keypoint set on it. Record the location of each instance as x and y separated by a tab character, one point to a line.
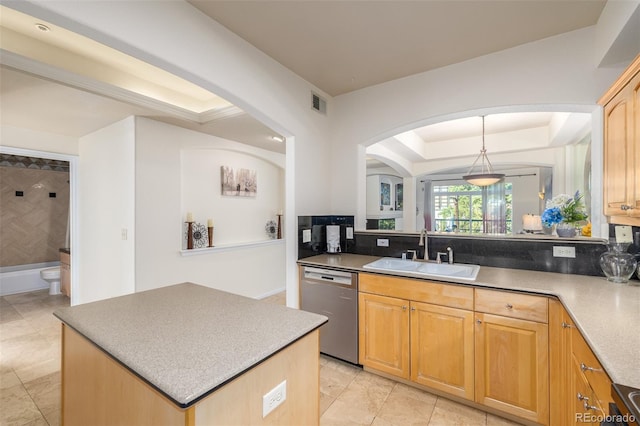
33	226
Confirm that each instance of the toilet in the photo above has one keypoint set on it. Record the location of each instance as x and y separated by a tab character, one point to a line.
52	276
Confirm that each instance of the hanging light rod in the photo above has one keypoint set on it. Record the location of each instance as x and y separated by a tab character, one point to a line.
486	175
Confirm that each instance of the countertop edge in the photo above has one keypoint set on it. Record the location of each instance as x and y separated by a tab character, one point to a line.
583	298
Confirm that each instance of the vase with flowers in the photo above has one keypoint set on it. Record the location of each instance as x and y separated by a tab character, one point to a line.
565	212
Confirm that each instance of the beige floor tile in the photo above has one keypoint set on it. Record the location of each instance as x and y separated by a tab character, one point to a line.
367	391
45	392
406	406
17	407
14	329
447	413
9	379
335	376
325	402
342	413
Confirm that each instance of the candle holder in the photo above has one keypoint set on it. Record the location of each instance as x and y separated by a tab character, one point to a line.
189	235
279	231
210	229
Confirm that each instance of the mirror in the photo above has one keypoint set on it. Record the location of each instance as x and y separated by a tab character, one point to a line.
541	154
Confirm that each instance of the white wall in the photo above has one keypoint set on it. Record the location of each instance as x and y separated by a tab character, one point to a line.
162	152
236	219
106	197
554	74
18	137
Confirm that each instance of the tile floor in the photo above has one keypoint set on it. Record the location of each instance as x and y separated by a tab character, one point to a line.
30	378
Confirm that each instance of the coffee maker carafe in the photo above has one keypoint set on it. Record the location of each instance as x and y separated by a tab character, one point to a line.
333	239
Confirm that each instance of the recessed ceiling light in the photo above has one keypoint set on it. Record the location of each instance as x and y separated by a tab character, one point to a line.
277	138
43	27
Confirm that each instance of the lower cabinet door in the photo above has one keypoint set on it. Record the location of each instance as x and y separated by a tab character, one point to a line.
442	348
384	334
512	366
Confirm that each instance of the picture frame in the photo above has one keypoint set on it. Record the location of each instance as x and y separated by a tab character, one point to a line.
239	183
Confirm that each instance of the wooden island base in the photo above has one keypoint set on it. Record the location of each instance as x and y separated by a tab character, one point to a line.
97	390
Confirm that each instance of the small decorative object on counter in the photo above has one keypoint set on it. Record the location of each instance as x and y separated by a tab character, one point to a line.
586	230
271	229
199	236
210	230
565	212
617	264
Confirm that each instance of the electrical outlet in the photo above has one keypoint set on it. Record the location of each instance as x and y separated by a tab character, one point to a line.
124	234
564	251
383	242
273	398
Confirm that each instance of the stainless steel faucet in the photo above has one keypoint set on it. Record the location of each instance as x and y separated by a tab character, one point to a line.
449	254
424	242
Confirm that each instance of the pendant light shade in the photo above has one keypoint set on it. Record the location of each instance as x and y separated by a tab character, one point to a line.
484	174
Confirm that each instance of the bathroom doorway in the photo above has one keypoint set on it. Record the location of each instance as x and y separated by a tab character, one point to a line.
72	221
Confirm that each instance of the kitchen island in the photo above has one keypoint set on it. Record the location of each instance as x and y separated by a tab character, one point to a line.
188	355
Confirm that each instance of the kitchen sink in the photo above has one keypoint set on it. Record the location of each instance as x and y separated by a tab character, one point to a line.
416	268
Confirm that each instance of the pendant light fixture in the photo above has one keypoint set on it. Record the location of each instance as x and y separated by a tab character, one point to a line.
486	176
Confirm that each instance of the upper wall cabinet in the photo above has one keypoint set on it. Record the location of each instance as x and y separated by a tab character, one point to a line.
622	148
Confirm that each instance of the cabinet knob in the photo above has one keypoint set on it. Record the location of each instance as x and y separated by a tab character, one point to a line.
478	322
589	407
508	306
566	325
581	397
404	307
413	309
626	207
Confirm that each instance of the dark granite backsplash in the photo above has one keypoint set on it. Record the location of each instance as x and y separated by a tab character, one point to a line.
514	253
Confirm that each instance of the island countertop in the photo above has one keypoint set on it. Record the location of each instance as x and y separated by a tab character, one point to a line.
607	314
188	340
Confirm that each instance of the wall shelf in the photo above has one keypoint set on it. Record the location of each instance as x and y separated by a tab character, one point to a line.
230	247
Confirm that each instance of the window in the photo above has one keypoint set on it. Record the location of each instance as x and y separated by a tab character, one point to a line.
471	209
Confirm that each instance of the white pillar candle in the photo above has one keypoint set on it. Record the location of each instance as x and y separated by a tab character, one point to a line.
210	223
189	217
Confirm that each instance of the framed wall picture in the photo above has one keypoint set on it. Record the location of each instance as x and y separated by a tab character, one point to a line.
238	183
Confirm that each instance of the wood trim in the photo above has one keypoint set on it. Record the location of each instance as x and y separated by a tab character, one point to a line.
625	77
452	295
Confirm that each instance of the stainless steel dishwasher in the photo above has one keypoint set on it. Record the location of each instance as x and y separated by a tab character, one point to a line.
333	294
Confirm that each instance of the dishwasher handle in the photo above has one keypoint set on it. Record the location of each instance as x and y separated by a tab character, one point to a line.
328	276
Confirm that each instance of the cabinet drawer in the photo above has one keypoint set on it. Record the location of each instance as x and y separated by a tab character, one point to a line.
514	305
455	296
590	368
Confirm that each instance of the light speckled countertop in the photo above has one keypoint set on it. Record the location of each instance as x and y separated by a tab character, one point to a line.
607	314
187	340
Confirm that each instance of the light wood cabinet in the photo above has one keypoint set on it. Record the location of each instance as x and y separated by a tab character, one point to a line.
442	348
421	338
591	390
561	400
511	364
511	354
65	273
384	334
621	176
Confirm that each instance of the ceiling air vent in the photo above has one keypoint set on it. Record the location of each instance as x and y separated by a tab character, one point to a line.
318	104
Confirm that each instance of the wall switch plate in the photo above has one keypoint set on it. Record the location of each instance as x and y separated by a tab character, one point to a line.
349	233
564	251
383	242
624	234
306	235
273	398
124	234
